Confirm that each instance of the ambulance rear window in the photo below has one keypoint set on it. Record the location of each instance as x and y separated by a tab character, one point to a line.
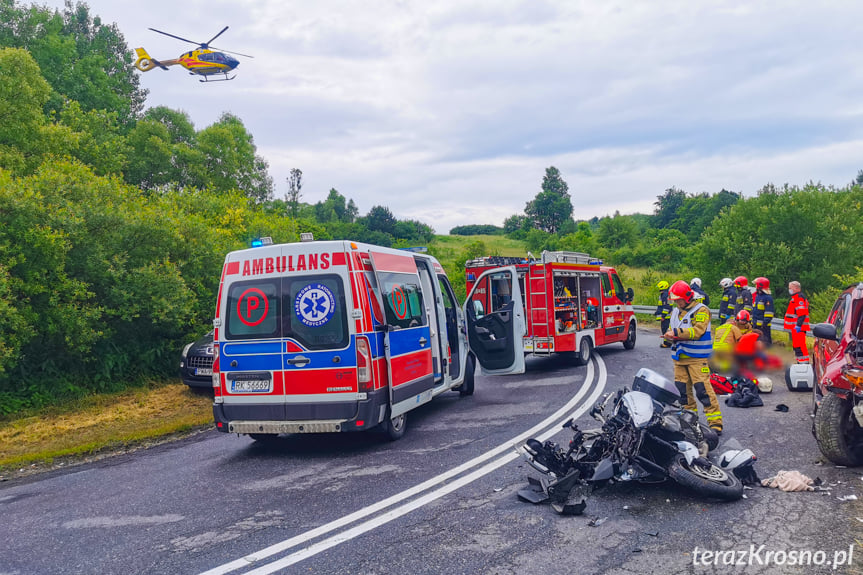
253	310
403	300
315	311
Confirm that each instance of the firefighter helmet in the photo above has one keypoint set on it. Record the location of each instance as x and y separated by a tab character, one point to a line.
662	285
741	281
762	283
695	282
743	315
680	290
726	282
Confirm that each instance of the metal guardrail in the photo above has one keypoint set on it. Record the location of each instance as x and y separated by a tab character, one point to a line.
649	309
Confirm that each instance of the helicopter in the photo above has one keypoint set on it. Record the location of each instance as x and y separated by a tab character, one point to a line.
199	62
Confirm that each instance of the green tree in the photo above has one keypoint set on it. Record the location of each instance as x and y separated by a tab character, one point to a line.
667	206
380	219
617	231
23	93
82	58
295	191
231	159
552	206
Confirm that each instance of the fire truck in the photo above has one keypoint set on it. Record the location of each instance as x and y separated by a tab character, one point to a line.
572	302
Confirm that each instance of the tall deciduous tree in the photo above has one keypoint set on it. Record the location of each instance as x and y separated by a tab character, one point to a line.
230	156
82	58
552	206
23	93
295	191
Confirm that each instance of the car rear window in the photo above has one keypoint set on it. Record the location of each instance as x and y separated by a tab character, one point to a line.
310	309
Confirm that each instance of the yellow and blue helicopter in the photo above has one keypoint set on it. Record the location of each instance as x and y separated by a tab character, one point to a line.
200	62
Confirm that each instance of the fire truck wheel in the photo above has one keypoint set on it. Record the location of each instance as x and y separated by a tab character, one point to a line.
395	427
629	342
585	351
466	388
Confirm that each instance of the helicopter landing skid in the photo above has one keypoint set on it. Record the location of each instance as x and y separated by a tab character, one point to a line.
225	79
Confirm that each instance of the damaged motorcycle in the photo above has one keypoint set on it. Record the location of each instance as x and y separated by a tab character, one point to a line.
647	437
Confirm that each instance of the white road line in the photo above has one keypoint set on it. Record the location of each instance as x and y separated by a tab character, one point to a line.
427	498
252	558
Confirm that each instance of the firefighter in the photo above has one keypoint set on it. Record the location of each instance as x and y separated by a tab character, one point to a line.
663	311
690	332
762	313
726	304
695	284
743	300
797	321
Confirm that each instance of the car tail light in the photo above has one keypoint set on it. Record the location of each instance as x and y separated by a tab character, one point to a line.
364	364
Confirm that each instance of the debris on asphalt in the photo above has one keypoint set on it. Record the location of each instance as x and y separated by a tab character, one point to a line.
596	521
782	407
745	497
841	467
789	481
656	533
625	507
637	550
498	489
847	498
860	519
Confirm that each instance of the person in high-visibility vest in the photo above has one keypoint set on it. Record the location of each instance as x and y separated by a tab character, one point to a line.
692	345
743	300
762	310
797	321
726	303
663	311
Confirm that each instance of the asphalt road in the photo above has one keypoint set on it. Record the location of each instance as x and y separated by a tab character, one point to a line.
440	500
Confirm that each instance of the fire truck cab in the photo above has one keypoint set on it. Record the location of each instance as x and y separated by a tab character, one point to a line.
572	302
338	336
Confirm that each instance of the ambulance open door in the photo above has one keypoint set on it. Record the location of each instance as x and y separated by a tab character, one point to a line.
494	314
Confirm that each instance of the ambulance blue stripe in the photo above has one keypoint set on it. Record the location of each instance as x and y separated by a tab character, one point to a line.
324	359
252	348
404	341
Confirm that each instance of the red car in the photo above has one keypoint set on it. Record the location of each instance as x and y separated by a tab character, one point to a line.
838	393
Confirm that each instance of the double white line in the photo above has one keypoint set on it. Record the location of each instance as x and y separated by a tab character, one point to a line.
500	455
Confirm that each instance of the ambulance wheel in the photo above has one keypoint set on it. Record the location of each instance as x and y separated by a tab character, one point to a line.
395	427
584	353
466	388
629	342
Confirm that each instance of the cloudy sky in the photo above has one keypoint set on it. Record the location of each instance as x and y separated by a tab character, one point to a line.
450	111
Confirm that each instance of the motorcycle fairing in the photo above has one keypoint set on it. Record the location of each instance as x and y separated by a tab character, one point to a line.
689	451
640	407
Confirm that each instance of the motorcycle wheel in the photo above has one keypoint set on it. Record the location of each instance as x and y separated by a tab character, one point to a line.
708	481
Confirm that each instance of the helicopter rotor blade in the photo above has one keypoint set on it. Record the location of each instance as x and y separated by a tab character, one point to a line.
177	37
207	44
229	52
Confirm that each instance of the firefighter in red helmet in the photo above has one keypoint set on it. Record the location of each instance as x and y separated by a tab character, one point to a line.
762	310
692	347
744	296
797	321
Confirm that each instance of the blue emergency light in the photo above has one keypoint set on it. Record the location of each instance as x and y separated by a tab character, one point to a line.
264	241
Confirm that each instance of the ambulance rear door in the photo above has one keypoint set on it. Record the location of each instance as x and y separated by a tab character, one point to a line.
407	336
495	334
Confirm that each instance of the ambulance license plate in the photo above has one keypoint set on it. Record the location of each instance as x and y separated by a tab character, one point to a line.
250	386
203	371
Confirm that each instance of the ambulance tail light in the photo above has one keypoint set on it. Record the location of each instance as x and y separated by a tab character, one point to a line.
364	364
217	377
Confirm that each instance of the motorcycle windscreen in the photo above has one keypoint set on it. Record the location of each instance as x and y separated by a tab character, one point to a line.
495	333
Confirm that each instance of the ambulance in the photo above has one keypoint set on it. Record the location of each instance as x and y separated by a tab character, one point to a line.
572	302
338	336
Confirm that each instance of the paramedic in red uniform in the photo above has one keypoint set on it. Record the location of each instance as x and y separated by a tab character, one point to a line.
690	333
797	321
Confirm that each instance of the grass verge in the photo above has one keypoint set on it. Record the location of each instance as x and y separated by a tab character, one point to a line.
97	423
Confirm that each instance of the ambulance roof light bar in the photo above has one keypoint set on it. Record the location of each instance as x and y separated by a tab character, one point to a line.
264	241
307	237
